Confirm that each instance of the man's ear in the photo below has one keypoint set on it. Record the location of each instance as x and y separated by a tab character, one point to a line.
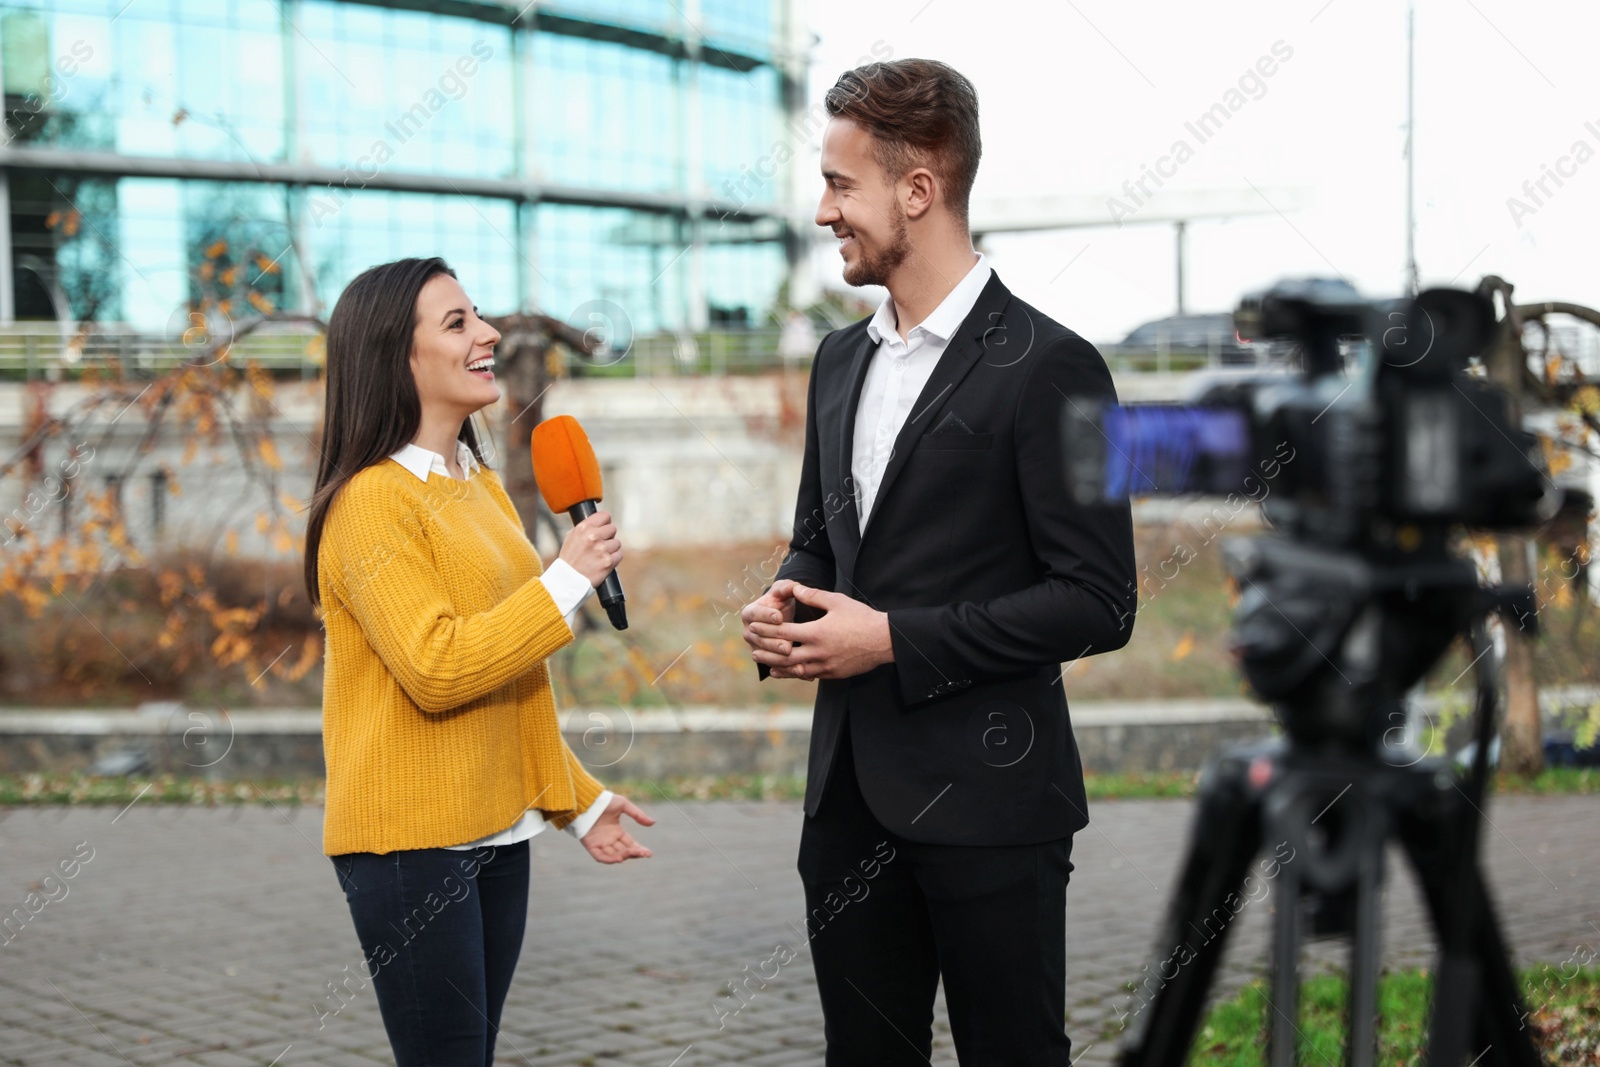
921	189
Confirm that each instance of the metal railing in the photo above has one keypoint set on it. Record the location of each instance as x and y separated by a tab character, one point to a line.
1163	359
32	351
689	354
48	351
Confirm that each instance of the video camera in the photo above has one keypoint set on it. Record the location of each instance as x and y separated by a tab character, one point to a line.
1368	476
1366	473
1383	460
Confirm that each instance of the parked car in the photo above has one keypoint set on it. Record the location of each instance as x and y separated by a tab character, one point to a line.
1210	335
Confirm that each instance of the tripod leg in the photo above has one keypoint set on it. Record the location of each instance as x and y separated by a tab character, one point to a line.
1363	1044
1340	873
1475	991
1284	1007
1224	838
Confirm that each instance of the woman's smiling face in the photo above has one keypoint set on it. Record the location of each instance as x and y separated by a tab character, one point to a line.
452	350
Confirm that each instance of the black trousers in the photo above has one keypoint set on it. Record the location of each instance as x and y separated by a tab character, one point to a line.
887	918
441	931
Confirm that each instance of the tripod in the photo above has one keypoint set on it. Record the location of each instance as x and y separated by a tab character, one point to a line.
1329	797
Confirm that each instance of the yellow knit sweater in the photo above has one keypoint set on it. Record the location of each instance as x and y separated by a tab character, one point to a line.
438	719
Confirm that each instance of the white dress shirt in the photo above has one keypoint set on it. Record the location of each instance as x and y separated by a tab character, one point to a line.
896	376
567	588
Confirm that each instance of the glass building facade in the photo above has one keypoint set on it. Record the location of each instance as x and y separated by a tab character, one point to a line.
554	153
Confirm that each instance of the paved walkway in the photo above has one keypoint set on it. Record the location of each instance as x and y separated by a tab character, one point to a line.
206	936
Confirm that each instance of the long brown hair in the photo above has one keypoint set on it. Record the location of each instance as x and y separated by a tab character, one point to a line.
372	408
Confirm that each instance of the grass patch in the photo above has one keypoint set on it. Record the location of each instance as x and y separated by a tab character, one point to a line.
775	787
78	787
1152	786
712	787
1563	1004
1554	781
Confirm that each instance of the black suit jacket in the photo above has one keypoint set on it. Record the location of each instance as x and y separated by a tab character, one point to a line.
992	577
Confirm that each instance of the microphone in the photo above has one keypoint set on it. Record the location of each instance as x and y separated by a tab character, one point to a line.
568	475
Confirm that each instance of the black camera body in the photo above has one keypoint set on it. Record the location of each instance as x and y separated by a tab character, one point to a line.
1365	475
1413	444
1388	457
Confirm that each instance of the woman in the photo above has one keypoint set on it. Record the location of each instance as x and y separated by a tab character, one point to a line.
439	723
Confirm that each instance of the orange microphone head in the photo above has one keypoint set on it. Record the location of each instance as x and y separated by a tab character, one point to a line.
564	464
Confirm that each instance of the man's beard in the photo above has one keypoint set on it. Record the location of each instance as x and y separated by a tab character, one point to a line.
874	269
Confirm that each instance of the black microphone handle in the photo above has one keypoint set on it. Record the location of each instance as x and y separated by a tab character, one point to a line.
610	590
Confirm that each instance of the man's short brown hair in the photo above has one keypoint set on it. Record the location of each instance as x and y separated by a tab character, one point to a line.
920	112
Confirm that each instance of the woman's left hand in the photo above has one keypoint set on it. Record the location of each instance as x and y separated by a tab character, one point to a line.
608	842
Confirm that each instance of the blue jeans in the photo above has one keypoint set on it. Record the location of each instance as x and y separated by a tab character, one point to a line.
441	931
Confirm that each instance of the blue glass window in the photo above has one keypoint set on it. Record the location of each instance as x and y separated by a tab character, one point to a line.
362	86
605	115
740	135
476	236
739	24
635	260
405	90
655	15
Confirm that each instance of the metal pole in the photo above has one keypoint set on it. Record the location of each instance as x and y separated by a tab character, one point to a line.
8	302
1182	230
1412	280
696	314
525	165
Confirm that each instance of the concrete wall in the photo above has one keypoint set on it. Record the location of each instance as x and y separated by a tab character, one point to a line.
1113	737
614	743
687	461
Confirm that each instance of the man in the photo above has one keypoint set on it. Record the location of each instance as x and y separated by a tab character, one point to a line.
948	574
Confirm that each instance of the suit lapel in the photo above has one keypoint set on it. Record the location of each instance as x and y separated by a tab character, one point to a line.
849	517
963	351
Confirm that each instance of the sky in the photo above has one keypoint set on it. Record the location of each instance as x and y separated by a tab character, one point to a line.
1078	96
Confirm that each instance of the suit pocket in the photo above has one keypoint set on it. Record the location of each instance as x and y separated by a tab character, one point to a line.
953	442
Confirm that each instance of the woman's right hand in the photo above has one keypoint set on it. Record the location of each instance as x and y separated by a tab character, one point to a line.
608	842
592	548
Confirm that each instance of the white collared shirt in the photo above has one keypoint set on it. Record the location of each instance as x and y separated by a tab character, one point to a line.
896	376
567	588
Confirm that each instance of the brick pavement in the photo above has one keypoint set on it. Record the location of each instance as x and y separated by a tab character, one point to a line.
207	936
